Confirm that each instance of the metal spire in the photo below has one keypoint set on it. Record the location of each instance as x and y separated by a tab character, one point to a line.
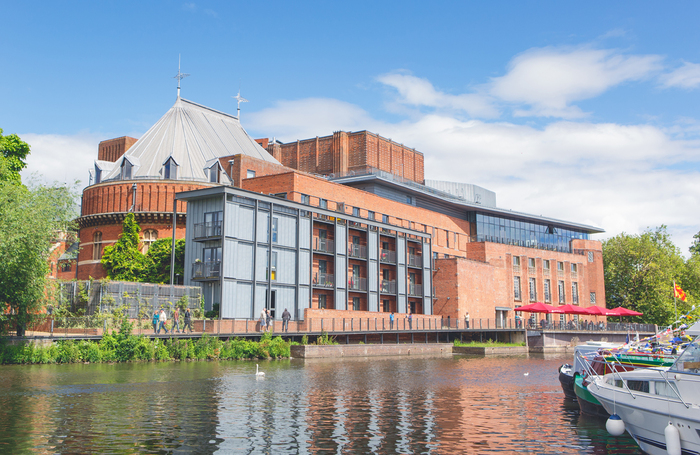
240	100
179	76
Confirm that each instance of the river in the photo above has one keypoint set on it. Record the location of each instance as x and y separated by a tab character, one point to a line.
370	405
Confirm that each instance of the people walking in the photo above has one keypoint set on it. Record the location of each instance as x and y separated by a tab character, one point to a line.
391	321
188	321
163	318
155	322
286	316
269	320
263	320
466	320
176	320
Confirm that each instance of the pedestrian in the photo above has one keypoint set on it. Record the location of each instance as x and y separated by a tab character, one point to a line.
263	320
176	320
391	321
268	319
410	321
466	320
156	322
286	316
188	320
163	320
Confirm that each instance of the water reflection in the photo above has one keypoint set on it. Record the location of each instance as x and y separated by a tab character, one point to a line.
379	405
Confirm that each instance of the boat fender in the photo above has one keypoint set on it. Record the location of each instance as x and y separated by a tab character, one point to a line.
673	439
615	425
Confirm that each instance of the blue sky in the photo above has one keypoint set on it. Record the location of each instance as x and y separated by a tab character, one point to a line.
582	111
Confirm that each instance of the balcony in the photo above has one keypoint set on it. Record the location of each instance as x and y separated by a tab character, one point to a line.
357	284
415	290
415	260
323	245
323	280
357	251
388	256
207	230
388	287
206	270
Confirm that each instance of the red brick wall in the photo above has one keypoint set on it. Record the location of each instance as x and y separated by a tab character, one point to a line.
113	149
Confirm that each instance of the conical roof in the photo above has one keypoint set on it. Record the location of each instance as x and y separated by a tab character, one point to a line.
193	135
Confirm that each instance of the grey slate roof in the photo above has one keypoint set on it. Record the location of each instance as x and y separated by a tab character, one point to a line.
193	135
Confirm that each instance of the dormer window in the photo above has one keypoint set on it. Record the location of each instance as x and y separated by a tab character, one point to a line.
98	174
215	172
170	169
126	170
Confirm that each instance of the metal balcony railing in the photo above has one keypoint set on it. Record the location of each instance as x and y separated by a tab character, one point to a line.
415	260
388	256
357	251
206	230
415	290
323	280
357	284
203	270
323	245
388	287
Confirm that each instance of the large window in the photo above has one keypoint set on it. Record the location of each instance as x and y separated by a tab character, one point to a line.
322	304
562	293
170	169
149	236
356	303
593	298
516	288
97	246
547	291
574	293
126	169
533	290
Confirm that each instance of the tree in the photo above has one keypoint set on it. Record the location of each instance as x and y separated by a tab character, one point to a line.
639	273
159	258
30	217
695	247
123	261
13	152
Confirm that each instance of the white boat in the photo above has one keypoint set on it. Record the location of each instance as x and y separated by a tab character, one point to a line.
660	407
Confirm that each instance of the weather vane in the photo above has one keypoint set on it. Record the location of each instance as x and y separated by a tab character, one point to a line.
240	100
180	75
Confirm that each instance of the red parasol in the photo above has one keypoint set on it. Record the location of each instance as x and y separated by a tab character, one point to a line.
620	311
538	307
569	309
598	311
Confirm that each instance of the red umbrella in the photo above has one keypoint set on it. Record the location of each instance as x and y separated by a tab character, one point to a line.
598	311
538	307
569	309
619	311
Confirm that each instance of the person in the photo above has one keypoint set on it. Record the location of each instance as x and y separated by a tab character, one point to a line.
518	321
176	320
410	320
286	316
263	320
268	319
466	320
391	321
188	321
163	320
156	322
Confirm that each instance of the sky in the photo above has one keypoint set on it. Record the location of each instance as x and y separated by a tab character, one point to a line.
582	111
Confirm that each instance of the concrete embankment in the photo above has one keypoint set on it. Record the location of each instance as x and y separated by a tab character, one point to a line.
490	350
370	350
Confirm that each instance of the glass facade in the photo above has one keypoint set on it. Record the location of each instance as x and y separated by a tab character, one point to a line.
488	228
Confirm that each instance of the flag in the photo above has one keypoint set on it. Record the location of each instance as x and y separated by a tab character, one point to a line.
678	292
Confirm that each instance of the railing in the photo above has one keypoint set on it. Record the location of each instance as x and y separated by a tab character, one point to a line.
323	280
205	230
357	251
415	260
388	287
323	245
415	290
357	284
388	256
203	270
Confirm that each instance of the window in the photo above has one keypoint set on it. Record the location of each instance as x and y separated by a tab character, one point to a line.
516	261
279	195
275	222
126	169
560	266
593	298
322	267
322	301
590	256
447	233
386	306
516	288
272	269
98	174
212	254
250	174
305	199
323	203
215	173
574	293
533	290
370	215
212	224
531	263
65	266
356	303
545	264
149	236
97	246
547	291
409	200
385	219
170	169
562	295
355	211
574	269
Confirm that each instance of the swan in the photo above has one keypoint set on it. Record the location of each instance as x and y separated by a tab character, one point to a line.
524	374
258	372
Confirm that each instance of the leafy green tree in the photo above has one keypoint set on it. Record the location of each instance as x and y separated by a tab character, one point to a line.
695	247
639	274
30	217
123	261
13	152
158	270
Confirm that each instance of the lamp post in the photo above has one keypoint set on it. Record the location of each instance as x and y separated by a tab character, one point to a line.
177	278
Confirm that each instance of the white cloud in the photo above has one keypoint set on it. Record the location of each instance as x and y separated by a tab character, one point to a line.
687	76
549	80
61	158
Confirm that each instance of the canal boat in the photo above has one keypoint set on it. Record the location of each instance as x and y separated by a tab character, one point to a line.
659	406
567	371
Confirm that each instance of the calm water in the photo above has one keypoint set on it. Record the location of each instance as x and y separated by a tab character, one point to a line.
378	405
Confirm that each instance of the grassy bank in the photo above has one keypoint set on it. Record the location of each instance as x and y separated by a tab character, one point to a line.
122	346
487	344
